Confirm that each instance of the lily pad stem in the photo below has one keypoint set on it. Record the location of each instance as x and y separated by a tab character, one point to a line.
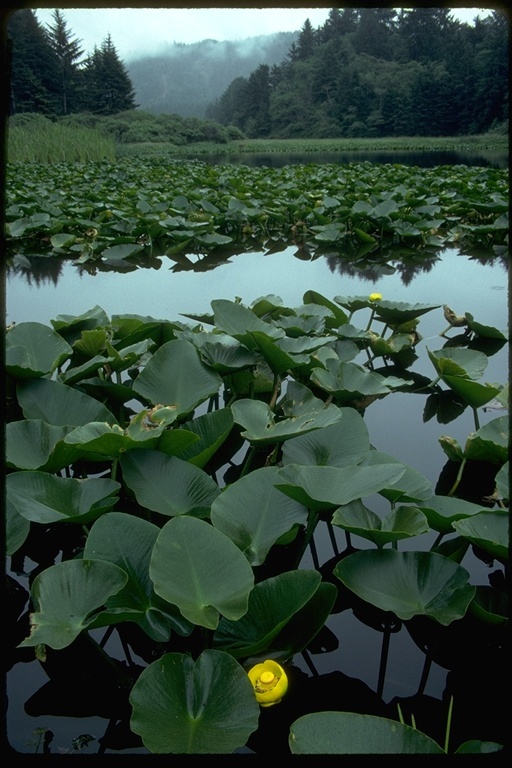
457	479
477	420
448	725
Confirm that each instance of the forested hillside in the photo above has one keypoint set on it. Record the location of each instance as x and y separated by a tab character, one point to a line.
186	78
378	72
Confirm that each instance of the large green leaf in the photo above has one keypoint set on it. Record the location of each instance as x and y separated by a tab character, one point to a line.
44	498
35	444
349	381
490	442
17	528
474	393
443	511
167	484
239	321
33	350
261	428
408	583
276	357
181	706
322	488
349	733
489	530
197	568
175	376
127	541
272	603
254	514
313	297
459	362
411	486
398	312
401	523
344	442
66	598
210	431
60	404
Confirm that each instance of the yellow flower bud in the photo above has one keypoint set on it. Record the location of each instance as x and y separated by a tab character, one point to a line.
269	681
375	296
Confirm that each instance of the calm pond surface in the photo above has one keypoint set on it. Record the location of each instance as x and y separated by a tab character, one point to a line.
170	289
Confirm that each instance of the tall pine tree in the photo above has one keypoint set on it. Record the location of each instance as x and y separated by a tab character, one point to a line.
68	54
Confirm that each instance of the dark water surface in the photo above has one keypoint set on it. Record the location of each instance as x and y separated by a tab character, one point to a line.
395	423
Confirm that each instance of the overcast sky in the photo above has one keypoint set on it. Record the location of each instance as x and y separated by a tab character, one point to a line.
137	31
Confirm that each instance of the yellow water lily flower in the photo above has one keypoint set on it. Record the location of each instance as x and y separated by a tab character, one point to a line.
375	296
269	682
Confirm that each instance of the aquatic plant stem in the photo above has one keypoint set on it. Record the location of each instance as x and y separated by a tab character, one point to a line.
458	478
477	420
448	725
383	660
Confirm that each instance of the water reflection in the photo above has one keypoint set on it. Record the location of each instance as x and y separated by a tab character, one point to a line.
425	159
40	270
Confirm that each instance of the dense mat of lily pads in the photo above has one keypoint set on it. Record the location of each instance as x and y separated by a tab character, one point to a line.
167	478
113	211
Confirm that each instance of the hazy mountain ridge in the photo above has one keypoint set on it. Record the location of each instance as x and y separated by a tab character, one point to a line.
184	79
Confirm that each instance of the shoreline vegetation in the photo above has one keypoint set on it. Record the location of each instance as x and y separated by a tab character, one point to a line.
36	139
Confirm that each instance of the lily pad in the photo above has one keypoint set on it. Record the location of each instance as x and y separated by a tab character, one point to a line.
254	514
408	583
490	530
66	598
349	733
181	706
199	569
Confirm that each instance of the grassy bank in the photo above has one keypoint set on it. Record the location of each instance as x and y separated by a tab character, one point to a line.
495	142
53	143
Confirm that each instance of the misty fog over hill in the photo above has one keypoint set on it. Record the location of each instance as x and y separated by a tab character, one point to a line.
185	78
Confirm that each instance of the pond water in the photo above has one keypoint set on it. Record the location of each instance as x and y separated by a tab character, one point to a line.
169	290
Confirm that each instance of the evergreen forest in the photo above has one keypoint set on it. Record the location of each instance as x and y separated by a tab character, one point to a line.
50	75
366	72
372	72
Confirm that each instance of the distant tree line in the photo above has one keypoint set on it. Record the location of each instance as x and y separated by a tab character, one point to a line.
378	72
50	75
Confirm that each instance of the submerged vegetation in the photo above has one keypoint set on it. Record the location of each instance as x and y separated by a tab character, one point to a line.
135	445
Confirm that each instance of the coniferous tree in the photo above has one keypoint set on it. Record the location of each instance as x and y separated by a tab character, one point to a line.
34	68
106	87
68	53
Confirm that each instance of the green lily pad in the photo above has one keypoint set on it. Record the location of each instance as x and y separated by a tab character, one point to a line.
175	376
181	706
127	541
348	733
342	443
272	603
66	598
408	583
261	427
44	498
443	511
199	569
489	529
254	514
323	488
401	523
167	484
33	350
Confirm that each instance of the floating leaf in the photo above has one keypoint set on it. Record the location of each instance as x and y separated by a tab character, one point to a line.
199	569
181	706
408	583
66	597
254	514
348	733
